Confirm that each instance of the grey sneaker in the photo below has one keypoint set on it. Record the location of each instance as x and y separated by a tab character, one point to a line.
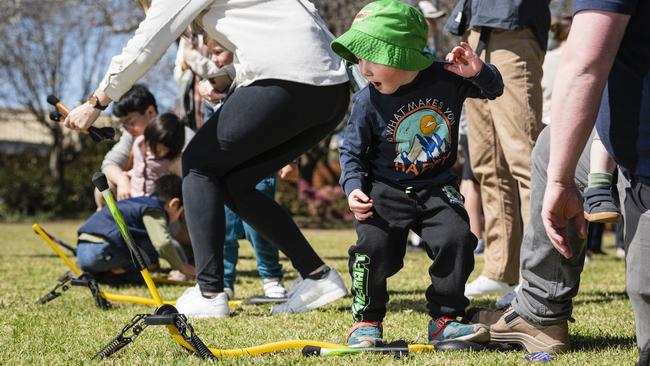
310	294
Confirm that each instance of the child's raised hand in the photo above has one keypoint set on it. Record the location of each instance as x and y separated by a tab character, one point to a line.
360	204
464	61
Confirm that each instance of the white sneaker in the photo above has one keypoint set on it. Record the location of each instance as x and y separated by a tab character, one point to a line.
273	288
194	305
620	253
486	286
310	294
507	298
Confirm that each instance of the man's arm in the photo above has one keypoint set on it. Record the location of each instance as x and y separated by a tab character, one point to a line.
115	162
588	57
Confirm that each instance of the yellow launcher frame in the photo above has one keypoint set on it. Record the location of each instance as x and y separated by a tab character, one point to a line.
109	296
157	301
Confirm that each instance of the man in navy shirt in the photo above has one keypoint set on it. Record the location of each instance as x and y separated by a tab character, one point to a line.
608	49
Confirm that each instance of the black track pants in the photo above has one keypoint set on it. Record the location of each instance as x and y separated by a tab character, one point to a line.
436	214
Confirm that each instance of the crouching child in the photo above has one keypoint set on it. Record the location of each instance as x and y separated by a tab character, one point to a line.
102	252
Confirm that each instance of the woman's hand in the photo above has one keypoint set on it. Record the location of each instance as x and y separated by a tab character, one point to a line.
360	205
82	117
464	61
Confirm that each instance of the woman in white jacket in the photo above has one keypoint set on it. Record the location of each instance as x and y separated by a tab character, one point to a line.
292	91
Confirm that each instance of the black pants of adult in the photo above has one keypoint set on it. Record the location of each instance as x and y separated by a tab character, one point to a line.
259	129
435	213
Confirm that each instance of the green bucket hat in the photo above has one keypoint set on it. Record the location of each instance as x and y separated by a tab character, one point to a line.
387	32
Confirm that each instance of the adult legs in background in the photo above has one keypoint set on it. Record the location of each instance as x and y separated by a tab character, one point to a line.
501	136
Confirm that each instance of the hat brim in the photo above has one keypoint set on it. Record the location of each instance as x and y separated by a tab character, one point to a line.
353	45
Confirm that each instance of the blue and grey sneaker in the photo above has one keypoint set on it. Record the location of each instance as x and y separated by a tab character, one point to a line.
480	247
600	205
448	328
365	334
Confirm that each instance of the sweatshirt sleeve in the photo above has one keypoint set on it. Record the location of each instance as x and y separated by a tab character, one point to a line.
163	24
487	84
156	226
356	141
119	153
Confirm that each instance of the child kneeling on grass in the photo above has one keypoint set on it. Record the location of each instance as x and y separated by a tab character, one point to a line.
398	148
102	252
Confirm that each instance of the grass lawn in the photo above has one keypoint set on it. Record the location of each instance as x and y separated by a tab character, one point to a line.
70	329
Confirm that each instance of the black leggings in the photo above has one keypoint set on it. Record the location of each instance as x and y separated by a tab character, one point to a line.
259	129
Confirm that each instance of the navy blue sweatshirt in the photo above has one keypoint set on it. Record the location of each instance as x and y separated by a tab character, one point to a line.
410	138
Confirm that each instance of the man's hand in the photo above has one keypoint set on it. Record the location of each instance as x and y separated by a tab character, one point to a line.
360	205
124	187
464	61
562	203
82	117
289	172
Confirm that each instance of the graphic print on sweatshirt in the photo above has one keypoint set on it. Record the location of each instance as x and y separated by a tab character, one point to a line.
422	138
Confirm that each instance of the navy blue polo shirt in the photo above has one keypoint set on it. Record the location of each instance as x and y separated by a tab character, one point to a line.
623	121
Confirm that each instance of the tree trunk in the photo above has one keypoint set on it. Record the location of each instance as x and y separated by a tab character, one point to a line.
56	160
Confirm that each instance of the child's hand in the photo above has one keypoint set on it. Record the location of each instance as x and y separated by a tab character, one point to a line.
289	172
176	275
188	269
360	205
124	187
464	61
207	92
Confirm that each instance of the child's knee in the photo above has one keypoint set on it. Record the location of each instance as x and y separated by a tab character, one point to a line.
370	243
91	258
461	240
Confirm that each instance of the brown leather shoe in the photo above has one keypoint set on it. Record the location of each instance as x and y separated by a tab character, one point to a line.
483	316
512	328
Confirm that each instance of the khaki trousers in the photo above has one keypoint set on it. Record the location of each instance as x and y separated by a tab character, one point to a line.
501	134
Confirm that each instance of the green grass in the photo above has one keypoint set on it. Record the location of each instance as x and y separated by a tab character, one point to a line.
70	329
